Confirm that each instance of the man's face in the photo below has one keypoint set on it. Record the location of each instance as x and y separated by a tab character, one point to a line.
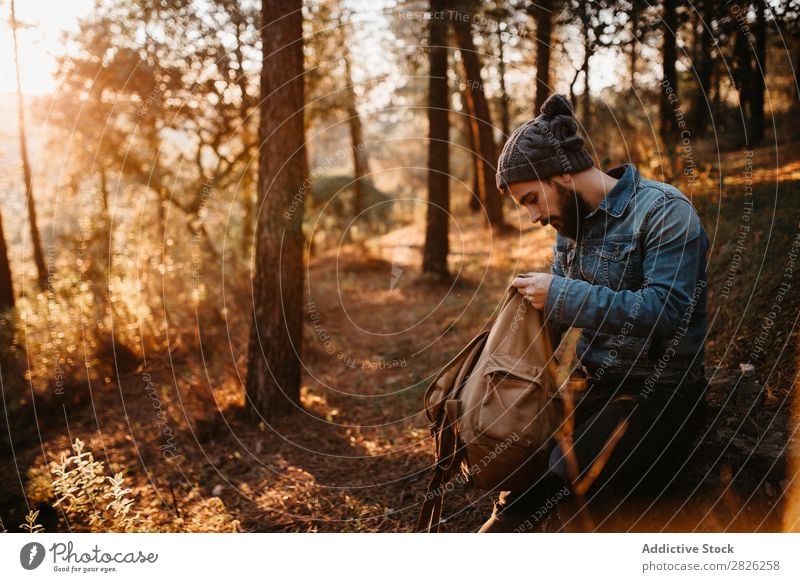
551	202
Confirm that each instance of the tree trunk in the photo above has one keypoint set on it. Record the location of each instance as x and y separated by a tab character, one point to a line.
474	199
38	253
274	366
505	118
585	16
701	105
587	97
669	89
360	162
434	256
743	74
482	128
543	13
759	76
634	18
248	222
6	284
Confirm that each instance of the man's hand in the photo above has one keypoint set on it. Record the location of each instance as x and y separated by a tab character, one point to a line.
534	286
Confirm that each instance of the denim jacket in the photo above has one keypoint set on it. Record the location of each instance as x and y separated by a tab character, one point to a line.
635	282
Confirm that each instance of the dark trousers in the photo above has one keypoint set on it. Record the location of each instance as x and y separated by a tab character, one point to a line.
659	425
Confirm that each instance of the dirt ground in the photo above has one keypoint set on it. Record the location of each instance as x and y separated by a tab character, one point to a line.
357	456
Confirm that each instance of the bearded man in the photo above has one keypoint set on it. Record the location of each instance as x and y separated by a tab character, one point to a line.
629	269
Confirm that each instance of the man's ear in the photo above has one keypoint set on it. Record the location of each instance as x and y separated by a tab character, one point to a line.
563	179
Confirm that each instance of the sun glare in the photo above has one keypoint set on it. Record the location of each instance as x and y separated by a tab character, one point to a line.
40	41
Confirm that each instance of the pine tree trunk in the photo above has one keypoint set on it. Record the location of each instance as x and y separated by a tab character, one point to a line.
585	16
587	96
482	128
474	199
273	375
544	32
700	109
505	118
360	162
759	76
6	284
634	18
434	256
38	253
667	122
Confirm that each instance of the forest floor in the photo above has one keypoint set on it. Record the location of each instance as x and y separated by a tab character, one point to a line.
357	456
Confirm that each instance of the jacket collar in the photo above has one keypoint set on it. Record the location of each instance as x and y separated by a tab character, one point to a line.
616	201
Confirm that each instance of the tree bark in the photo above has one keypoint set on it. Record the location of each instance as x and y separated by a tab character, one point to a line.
38	253
585	16
634	17
759	75
505	118
543	13
482	128
743	73
474	199
667	122
701	105
6	284
587	96
360	161
274	366
434	256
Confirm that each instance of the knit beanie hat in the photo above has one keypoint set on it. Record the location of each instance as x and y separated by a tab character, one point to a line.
543	147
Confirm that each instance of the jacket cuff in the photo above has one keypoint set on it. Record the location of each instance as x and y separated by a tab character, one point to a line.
554	304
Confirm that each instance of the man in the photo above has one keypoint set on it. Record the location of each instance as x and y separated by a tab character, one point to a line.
629	269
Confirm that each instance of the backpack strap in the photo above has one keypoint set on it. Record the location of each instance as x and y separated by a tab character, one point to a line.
448	458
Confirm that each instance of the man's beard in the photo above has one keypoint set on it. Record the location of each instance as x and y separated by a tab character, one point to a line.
571	211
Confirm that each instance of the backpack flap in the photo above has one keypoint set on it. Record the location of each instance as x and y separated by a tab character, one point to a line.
449	379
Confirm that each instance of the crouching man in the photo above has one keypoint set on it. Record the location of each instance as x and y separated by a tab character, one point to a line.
629	269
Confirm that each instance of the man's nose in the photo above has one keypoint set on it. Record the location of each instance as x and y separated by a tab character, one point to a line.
536	216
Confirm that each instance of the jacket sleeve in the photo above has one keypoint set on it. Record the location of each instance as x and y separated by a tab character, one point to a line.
674	275
556	329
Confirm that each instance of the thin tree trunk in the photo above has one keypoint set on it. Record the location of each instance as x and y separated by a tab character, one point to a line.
587	98
701	101
544	31
274	366
360	161
6	284
716	84
474	199
744	73
759	75
104	189
482	128
634	17
434	256
505	119
667	122
572	85
585	17
38	253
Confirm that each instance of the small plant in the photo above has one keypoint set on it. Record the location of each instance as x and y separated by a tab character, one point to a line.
30	524
84	492
119	502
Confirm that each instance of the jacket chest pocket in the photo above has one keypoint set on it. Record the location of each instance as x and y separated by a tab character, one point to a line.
565	257
613	263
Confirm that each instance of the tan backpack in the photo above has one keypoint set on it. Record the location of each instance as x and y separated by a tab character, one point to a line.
494	408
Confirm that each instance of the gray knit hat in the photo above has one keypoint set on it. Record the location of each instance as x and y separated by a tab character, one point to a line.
543	147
